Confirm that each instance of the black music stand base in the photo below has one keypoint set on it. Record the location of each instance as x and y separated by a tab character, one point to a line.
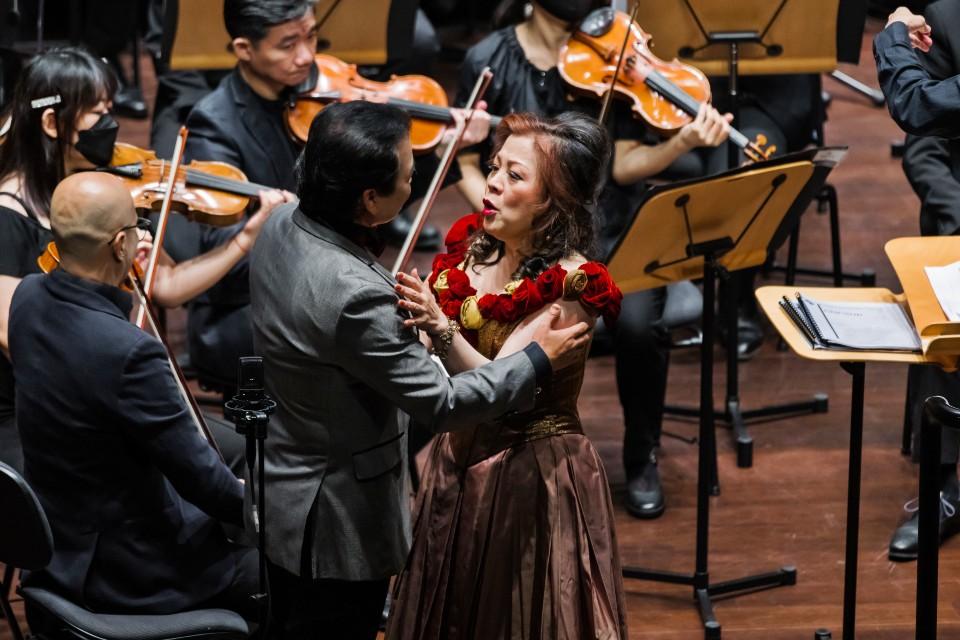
703	590
733	413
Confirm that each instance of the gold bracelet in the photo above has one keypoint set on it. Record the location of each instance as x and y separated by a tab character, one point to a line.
442	342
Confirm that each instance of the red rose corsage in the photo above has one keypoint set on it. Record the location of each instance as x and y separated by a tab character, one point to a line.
591	284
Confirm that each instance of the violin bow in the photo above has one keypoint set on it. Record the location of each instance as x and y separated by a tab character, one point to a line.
607	99
479	88
181	380
151	269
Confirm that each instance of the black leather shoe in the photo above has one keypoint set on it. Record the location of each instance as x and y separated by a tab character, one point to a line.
395	233
904	545
128	102
644	493
749	337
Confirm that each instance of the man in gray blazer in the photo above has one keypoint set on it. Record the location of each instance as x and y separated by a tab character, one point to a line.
348	377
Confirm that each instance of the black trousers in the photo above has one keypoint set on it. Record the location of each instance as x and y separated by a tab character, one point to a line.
642	348
307	609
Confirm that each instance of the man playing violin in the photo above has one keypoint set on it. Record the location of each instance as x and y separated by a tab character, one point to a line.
242	123
109	446
523	58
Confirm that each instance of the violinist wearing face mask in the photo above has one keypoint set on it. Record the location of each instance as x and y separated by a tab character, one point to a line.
60	125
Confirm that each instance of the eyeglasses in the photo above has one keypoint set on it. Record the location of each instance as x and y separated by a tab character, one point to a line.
142	225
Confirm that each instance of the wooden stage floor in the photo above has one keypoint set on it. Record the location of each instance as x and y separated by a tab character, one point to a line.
790	507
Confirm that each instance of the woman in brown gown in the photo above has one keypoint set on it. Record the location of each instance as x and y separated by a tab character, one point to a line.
513	532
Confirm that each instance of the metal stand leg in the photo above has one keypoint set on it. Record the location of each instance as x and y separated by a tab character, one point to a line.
733	413
703	590
7	588
857	370
874	95
929	529
867	278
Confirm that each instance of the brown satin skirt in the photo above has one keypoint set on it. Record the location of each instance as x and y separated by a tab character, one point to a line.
520	544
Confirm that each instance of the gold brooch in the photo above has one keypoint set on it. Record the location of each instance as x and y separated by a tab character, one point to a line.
574	284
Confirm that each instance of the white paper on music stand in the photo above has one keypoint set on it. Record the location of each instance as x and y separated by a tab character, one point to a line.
946	284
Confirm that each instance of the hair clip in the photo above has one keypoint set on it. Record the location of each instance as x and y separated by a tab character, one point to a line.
42	103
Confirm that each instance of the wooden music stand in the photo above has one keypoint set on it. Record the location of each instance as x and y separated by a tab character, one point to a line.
691	229
773	36
630	267
356	30
938	350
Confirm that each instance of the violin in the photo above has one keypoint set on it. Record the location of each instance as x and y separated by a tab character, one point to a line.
336	81
214	193
610	48
49	260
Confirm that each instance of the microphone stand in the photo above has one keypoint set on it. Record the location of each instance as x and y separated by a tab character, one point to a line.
250	412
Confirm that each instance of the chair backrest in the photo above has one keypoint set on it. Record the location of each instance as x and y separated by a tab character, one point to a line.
26	541
947	415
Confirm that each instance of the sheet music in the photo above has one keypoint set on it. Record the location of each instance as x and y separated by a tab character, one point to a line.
862	325
946	284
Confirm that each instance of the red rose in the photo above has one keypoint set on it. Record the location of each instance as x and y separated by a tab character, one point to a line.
459	284
442	262
527	297
550	283
507	308
500	308
451	306
601	293
461	231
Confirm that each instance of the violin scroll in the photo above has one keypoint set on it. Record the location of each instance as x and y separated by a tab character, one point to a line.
759	149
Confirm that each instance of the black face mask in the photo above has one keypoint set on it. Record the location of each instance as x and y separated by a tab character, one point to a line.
572	11
96	143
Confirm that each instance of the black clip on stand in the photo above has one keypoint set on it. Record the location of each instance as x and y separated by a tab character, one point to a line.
250	412
703	589
732	412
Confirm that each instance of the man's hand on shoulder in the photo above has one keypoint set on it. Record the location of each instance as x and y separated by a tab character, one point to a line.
562	346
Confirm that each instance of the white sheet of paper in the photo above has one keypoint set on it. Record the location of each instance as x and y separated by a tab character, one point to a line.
946	284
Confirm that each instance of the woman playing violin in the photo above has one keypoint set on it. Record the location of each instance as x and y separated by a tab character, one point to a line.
60	125
523	58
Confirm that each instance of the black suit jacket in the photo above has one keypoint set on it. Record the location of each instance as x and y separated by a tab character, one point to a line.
231	124
932	164
129	486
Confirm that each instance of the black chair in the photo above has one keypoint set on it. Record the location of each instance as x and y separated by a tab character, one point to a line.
29	546
938	414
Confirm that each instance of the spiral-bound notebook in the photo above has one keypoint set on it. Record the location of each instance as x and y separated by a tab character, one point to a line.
869	326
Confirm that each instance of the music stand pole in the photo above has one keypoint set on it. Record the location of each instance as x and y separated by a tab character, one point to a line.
698	233
732	413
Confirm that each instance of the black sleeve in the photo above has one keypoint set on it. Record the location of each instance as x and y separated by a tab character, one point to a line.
918	103
156	417
927	165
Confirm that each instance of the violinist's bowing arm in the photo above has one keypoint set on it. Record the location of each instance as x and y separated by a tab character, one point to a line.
7	286
178	283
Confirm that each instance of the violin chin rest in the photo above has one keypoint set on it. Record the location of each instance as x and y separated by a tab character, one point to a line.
599	22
